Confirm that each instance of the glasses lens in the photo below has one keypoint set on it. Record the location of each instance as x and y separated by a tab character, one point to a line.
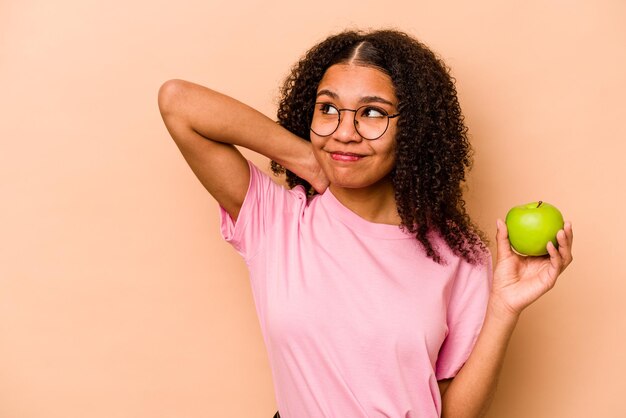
325	119
371	122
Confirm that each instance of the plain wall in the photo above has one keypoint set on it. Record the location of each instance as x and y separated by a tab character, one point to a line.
118	298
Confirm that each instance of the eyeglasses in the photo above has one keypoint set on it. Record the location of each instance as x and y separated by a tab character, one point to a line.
370	122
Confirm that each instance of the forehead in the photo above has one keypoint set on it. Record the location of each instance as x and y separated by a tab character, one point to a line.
352	82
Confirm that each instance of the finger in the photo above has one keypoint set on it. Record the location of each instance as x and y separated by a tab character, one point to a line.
561	239
553	252
556	260
320	186
502	240
569	232
564	238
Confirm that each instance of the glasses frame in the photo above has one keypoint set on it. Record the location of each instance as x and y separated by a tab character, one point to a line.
354	121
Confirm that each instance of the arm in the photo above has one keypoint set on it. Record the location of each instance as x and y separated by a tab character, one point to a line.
518	281
206	126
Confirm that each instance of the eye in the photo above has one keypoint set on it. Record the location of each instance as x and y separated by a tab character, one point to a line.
372	112
327	109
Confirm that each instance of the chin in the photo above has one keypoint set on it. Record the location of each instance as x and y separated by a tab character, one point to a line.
359	183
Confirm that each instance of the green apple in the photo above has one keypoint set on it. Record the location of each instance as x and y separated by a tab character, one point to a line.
532	226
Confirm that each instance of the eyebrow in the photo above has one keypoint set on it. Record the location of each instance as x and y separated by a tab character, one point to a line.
365	99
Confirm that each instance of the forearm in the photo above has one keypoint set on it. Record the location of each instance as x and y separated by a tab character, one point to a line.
517	282
221	118
473	388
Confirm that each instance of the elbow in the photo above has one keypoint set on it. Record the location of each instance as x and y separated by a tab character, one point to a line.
170	96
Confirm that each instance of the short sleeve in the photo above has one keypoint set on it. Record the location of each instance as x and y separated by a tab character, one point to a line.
264	208
465	315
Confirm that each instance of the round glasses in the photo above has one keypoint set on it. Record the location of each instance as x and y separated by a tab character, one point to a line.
370	122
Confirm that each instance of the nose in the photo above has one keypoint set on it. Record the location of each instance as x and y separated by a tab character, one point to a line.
346	131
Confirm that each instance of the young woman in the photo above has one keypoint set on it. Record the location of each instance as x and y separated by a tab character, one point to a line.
374	290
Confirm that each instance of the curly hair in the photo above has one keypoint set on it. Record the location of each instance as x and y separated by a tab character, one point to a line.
433	151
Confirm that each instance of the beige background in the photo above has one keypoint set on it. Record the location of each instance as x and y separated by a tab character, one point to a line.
119	299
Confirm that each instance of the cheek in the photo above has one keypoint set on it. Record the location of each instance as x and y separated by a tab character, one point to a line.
315	140
317	145
317	149
389	151
390	159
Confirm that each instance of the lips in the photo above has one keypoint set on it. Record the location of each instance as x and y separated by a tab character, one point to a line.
345	156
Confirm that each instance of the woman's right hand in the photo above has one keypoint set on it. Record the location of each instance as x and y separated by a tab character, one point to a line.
206	125
315	175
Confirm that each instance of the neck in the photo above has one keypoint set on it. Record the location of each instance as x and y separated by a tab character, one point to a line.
375	203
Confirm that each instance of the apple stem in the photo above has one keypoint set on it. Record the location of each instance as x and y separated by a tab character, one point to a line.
539	204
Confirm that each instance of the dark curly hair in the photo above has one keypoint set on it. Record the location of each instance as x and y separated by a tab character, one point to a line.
433	151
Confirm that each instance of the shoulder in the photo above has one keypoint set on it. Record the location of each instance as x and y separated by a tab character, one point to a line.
468	246
271	191
481	260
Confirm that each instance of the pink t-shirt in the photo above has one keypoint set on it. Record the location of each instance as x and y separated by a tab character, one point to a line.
357	321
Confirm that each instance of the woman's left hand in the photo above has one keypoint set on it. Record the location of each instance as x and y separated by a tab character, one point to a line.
520	280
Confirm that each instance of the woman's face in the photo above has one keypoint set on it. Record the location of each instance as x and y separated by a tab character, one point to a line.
348	159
